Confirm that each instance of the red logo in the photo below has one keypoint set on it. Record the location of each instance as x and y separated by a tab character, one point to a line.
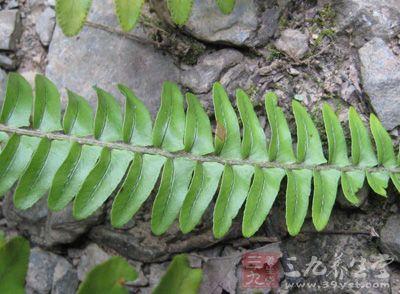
260	269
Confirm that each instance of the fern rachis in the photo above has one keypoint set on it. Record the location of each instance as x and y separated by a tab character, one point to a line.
89	159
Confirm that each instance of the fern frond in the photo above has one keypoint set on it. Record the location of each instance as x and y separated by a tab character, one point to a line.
71	15
87	159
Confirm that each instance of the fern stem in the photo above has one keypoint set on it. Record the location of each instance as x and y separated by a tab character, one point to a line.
207	158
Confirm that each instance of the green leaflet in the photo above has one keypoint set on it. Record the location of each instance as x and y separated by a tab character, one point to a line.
40	172
2	238
198	135
297	197
140	181
325	189
336	140
137	120
14	259
362	152
71	15
128	12
396	177
232	193
280	146
379	180
170	121
180	10
201	191
262	195
254	143
78	117
180	277
71	175
46	110
14	158
351	183
226	6
3	138
174	185
101	181
383	142
309	146
109	277
108	120
17	102
227	134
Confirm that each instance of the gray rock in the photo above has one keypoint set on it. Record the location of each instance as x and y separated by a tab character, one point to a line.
92	255
44	227
3	83
345	204
380	73
293	42
390	237
100	58
139	244
49	272
45	25
7	62
368	19
200	77
251	23
10	29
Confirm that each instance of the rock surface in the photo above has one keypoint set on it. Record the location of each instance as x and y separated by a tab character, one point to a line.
45	25
390	237
208	70
293	42
368	19
10	29
48	272
380	72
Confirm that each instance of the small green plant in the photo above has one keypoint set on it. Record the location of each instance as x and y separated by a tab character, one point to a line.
85	158
72	14
14	259
109	277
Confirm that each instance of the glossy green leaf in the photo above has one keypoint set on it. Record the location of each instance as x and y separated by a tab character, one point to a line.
351	183
47	106
17	103
336	139
262	195
198	135
201	191
383	143
128	13
109	277
37	178
227	134
140	181
280	147
180	10
378	181
174	186
361	148
78	117
226	6
170	122
137	120
309	146
102	180
297	197
232	193
325	189
14	259
14	159
71	15
180	277
108	120
254	143
71	175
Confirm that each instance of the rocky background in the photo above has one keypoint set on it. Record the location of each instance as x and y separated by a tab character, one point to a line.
346	53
